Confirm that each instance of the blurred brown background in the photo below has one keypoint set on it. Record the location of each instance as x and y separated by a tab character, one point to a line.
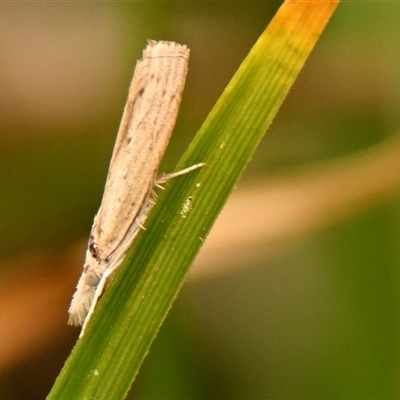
295	294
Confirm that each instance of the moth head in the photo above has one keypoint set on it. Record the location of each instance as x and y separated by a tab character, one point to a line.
91	278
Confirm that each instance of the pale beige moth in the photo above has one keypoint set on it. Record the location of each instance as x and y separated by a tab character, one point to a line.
146	126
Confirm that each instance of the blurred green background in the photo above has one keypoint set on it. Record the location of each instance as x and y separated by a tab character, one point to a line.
316	317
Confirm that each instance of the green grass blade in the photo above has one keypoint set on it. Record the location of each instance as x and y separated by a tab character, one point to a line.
104	363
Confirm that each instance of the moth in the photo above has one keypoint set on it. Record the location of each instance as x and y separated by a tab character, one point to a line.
145	130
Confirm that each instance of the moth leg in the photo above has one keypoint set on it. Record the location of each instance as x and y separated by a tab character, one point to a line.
163	178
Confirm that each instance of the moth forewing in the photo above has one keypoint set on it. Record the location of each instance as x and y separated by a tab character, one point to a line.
146	126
